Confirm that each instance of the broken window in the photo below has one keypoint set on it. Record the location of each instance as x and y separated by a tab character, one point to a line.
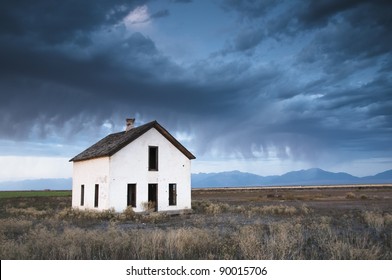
131	195
172	194
81	195
153	158
96	195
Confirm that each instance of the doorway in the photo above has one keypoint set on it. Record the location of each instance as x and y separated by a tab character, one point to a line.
131	195
153	197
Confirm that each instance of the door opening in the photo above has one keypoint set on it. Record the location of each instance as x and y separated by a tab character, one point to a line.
131	195
153	197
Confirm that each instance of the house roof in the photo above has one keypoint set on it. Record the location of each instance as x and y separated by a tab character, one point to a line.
112	143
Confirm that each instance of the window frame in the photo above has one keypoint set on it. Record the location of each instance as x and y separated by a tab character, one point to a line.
153	158
96	196
172	194
82	190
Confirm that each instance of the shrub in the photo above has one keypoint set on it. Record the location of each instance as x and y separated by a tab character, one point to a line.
217	208
14	227
200	206
148	206
27	212
273	210
72	213
153	217
350	195
128	214
376	220
305	210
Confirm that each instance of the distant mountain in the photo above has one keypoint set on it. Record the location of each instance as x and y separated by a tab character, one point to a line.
313	176
38	184
379	178
224	179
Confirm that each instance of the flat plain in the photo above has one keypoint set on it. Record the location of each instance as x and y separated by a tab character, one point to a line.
318	198
336	222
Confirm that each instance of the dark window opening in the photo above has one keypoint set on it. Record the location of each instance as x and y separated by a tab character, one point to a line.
153	158
82	195
96	195
172	194
153	196
131	195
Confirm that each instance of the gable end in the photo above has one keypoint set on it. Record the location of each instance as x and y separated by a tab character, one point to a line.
112	143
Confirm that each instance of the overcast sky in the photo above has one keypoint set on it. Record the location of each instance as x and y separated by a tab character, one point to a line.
258	86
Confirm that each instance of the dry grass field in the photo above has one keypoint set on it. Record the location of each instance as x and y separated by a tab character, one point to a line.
255	223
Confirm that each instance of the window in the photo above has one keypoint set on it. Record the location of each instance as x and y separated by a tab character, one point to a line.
153	158
96	195
81	195
172	194
131	195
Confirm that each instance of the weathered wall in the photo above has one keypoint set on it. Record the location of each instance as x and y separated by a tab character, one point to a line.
89	173
130	165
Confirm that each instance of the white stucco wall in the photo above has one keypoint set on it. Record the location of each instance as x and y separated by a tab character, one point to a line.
89	173
130	166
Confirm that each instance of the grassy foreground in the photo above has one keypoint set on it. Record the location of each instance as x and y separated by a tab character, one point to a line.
46	228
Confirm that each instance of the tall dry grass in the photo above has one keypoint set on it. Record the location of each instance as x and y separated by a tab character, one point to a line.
237	232
276	241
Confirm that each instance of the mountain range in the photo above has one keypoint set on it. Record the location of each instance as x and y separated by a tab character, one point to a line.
313	176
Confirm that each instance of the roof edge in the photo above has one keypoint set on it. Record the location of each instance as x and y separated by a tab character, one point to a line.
142	130
87	158
173	140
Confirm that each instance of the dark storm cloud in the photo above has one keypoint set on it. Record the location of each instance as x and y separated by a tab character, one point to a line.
160	14
54	22
372	17
64	79
361	34
44	84
250	8
349	39
45	87
246	41
182	1
318	13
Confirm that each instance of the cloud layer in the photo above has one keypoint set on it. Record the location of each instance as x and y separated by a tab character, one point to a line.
299	80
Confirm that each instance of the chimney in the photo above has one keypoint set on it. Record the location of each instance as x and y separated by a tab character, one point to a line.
130	124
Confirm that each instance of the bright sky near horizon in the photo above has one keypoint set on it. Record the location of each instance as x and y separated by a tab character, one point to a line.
258	86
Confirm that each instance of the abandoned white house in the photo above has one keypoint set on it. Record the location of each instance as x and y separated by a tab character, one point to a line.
137	167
